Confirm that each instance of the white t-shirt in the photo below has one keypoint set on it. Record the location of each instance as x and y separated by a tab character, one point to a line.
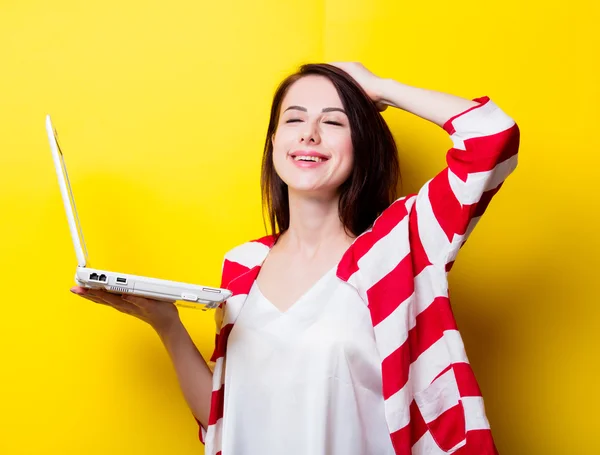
306	381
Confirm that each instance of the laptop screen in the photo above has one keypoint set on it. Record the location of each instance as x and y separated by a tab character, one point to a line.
71	198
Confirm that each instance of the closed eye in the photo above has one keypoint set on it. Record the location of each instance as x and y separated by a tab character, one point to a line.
293	120
331	122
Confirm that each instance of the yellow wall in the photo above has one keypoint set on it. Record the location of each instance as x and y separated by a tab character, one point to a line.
162	108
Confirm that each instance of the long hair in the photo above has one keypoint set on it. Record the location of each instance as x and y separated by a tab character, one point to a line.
371	186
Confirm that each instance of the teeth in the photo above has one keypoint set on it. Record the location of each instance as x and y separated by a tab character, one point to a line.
308	158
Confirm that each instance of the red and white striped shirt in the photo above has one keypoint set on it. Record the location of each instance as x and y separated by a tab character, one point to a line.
433	404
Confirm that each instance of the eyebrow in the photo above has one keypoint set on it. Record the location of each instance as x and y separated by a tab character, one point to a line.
327	109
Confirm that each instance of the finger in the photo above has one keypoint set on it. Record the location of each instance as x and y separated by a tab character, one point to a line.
78	290
92	299
135	300
121	305
113	300
82	292
103	295
142	301
95	300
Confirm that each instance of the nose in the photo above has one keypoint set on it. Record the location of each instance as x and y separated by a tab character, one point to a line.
310	134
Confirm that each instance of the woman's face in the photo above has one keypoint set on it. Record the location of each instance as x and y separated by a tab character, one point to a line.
312	146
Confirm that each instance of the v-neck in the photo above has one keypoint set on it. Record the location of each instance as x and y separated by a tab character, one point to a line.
302	297
271	244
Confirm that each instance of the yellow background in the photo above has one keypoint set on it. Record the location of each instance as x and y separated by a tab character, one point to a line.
162	107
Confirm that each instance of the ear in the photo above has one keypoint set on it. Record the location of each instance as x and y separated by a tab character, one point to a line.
272	139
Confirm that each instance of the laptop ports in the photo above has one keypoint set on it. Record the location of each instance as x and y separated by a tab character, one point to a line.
96	277
121	280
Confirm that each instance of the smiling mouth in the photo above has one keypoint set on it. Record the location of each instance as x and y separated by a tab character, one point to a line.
308	156
315	159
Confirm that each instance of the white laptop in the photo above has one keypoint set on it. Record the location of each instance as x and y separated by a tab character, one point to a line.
187	295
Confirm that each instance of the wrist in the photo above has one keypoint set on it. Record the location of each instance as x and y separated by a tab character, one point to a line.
168	328
380	89
388	91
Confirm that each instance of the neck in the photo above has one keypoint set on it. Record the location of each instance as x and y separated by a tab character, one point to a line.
314	224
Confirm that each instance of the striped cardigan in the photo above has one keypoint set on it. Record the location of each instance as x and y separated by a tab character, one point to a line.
433	404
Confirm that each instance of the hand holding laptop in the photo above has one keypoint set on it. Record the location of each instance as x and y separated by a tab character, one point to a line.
157	313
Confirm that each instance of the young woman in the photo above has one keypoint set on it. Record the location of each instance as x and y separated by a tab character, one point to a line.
339	338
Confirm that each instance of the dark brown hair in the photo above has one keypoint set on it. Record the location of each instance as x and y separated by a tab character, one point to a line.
371	186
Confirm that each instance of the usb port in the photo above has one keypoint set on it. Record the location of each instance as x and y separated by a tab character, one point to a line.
121	280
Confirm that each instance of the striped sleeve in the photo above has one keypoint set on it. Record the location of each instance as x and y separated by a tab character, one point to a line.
240	268
212	361
484	152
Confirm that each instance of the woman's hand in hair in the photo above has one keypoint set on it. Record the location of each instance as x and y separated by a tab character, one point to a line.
369	82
